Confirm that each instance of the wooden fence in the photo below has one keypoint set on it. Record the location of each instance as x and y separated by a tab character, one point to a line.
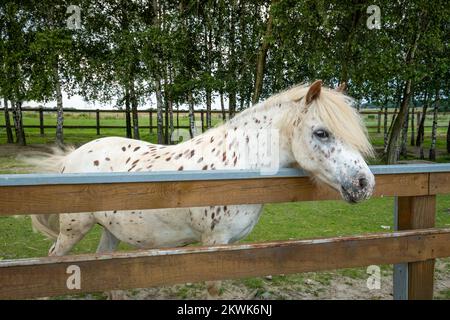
413	247
151	123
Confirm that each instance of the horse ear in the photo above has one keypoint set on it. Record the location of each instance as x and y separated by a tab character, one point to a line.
313	91
342	87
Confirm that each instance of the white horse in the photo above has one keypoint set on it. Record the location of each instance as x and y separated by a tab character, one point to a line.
316	129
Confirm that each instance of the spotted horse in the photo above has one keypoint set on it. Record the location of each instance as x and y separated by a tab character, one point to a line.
316	129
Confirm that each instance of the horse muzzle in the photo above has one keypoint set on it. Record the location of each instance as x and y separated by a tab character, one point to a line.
358	188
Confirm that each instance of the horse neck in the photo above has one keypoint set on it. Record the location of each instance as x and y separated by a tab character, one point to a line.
273	117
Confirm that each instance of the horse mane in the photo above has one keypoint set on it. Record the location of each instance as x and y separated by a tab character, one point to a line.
332	107
343	120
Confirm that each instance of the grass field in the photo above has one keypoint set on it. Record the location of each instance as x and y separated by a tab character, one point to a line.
278	222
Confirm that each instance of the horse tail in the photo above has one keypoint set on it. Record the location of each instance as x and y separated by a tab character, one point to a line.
47	162
47	224
44	162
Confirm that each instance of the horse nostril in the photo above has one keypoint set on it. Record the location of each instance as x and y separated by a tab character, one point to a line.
363	183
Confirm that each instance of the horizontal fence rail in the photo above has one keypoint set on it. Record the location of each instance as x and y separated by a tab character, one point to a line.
25	278
415	247
127	191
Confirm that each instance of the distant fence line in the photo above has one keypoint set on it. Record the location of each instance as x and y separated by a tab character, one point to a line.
42	126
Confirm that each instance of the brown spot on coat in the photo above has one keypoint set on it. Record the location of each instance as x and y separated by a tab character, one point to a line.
96	163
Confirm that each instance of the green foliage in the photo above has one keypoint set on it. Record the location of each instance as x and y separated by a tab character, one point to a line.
203	47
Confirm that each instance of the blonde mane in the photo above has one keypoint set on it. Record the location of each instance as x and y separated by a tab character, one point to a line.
344	121
332	107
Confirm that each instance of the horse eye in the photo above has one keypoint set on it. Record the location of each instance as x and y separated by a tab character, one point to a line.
321	134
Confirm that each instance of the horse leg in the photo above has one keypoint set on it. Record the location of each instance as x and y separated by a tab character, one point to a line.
72	228
108	243
213	287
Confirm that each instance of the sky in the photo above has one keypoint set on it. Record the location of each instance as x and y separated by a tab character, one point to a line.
77	102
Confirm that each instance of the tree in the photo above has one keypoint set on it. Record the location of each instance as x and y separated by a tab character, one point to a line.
421	23
16	37
262	55
432	154
9	135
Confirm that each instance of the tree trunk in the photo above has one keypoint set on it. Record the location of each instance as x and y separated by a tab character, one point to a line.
379	121
208	49
421	133
159	112
432	154
421	129
9	134
403	147
413	134
18	122
222	107
393	147
166	117
392	150
261	60
208	109
385	127
191	114
127	113
59	107
170	107
134	109
231	104
232	63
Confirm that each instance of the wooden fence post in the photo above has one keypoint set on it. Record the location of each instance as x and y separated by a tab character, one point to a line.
41	121
97	115
417	279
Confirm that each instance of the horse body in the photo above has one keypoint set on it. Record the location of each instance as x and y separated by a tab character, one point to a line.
158	227
308	133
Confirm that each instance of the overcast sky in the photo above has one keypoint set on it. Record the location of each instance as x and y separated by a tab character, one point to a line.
77	102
